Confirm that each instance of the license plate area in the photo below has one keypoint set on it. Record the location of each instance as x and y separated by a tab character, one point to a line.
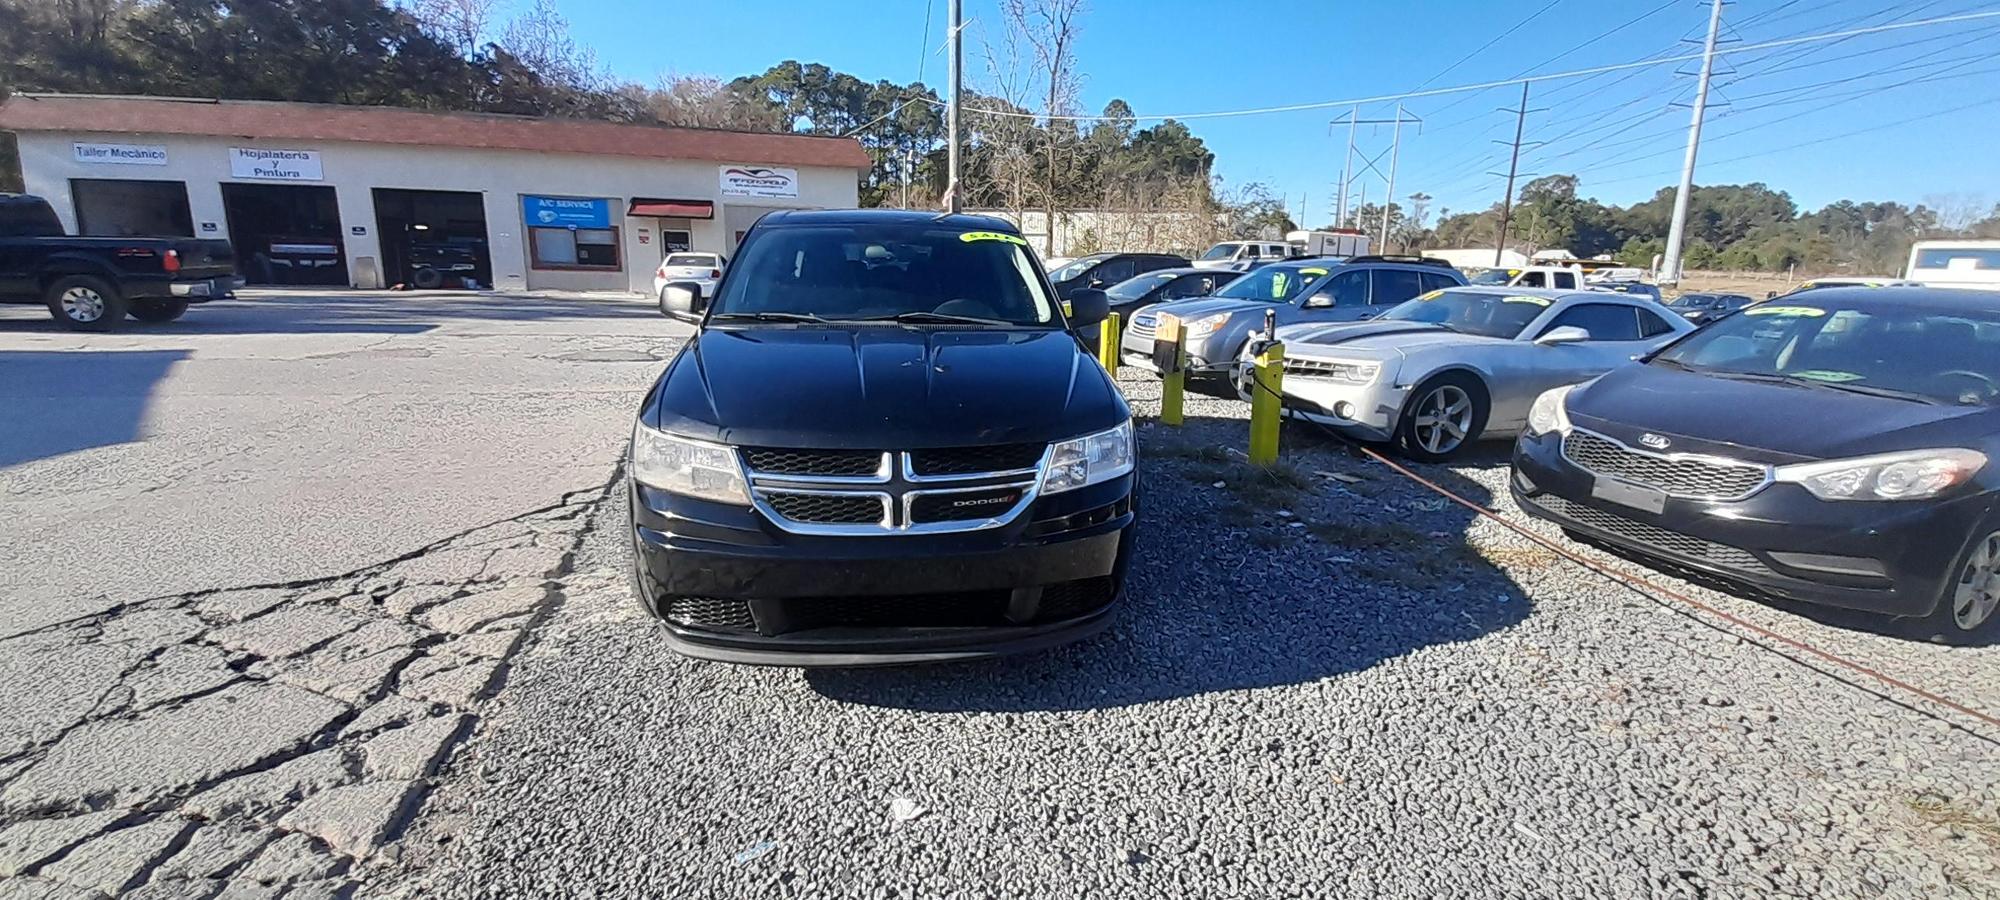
1625	493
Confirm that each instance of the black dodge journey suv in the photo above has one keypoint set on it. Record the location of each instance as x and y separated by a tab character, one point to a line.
884	445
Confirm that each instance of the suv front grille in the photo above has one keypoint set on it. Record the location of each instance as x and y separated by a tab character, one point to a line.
827	509
809	463
1653	536
964	506
975	460
1681	476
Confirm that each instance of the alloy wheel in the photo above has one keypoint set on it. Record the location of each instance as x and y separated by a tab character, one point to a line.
83	304
1444	418
1978	592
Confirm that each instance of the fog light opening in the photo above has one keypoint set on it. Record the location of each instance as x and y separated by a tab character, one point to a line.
1344	410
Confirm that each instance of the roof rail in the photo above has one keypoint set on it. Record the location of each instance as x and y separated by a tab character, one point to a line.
1395	258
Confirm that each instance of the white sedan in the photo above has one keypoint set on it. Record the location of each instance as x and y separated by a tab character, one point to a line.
703	270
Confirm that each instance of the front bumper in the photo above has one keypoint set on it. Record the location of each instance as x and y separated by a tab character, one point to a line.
1782	542
203	291
728	585
1367	412
1135	348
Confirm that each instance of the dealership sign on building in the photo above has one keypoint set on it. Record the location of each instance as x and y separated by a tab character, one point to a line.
275	165
759	181
565	212
120	154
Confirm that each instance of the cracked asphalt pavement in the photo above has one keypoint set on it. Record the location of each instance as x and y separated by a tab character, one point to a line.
324	597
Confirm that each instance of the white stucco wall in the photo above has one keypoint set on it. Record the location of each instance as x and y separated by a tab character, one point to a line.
48	162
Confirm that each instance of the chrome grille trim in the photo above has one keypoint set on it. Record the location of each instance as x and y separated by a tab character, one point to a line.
896	485
760	496
1029	491
881	474
1691	476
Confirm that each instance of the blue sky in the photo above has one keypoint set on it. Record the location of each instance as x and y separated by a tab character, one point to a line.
1617	131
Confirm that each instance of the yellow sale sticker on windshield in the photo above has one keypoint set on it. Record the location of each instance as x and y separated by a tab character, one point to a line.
1432	295
1312	271
971	236
1538	301
1811	312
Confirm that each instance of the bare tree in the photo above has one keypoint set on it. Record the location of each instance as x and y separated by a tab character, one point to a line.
540	38
1007	137
702	101
463	24
1051	27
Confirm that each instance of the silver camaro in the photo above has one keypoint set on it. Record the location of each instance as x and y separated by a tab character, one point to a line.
1437	373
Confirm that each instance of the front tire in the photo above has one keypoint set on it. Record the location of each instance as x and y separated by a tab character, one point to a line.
1968	610
1445	416
86	303
158	310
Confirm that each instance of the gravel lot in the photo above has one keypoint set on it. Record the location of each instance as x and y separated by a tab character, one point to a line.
1318	688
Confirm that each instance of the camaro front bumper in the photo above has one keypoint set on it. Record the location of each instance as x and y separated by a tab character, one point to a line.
1894	558
728	585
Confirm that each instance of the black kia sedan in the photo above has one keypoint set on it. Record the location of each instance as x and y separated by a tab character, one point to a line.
1841	448
884	445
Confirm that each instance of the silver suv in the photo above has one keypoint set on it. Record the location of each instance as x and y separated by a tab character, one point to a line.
1298	291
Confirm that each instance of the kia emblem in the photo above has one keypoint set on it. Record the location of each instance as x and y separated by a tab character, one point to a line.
1657	442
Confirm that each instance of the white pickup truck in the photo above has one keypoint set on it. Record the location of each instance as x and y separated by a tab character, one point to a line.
1563	278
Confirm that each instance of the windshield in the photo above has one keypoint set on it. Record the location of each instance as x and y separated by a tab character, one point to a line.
1221	251
845	272
691	259
1272	284
1494	277
1134	288
1490	315
1946	357
1074	268
1694	301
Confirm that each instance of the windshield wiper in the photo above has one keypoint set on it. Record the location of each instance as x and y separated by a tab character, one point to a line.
1666	363
938	317
769	317
1799	381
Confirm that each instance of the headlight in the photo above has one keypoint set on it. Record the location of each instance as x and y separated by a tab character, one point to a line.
1089	459
682	466
1550	412
1911	475
1204	326
1334	370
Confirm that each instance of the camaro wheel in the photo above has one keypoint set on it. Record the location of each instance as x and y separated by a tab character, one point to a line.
1971	602
1444	418
84	303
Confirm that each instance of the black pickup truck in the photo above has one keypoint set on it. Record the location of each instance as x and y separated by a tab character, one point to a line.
93	283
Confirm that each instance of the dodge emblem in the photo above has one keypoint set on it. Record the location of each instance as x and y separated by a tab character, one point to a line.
1657	442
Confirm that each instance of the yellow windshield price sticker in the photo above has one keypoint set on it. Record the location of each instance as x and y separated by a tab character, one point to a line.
972	236
1432	295
1312	271
1538	301
1811	312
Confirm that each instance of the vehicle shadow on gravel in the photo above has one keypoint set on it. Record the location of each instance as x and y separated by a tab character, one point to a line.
1324	565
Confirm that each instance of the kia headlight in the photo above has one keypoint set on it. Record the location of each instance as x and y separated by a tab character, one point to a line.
1551	411
1910	475
1195	329
1089	459
688	467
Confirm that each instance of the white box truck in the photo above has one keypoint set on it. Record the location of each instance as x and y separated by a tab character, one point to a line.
1328	243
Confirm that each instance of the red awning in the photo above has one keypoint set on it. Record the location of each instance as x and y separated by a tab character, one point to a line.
685	209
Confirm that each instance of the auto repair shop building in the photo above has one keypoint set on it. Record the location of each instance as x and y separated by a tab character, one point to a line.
374	196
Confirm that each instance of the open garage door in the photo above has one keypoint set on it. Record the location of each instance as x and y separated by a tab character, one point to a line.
120	208
285	233
433	239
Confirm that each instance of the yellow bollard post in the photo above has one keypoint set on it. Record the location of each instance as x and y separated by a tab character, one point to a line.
1107	344
1266	408
1173	387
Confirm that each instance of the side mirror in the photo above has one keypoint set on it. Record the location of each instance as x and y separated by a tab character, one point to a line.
1568	334
680	297
1088	307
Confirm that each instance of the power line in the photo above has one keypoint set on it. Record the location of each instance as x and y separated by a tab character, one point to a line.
1600	36
1553	76
1484	47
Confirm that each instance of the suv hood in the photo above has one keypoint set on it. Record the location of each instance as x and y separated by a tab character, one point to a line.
883	387
1778	423
1197	307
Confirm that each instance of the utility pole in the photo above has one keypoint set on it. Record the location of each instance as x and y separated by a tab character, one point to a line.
1513	168
1395	149
1347	171
957	90
1670	269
